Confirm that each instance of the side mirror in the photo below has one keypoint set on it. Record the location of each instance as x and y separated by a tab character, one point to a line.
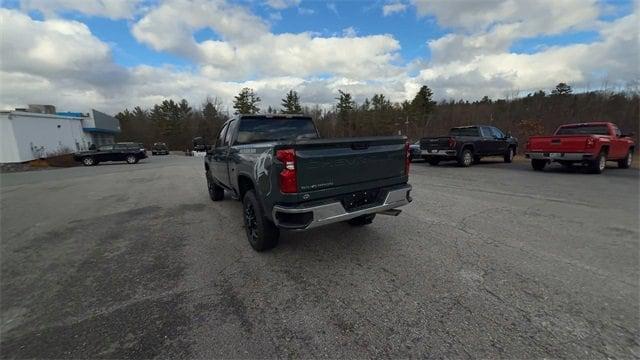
508	134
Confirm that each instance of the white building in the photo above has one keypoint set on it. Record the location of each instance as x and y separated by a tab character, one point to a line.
38	132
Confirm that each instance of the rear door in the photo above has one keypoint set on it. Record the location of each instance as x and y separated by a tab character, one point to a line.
218	157
231	167
105	153
499	142
120	152
486	144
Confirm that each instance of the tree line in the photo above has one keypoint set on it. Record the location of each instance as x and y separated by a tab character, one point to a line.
176	123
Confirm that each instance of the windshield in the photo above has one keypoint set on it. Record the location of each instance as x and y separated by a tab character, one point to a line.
465	131
253	130
583	130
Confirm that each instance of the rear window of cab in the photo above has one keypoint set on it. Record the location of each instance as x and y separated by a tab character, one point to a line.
583	130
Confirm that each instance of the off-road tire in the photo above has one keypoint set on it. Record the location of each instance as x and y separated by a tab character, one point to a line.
261	233
216	192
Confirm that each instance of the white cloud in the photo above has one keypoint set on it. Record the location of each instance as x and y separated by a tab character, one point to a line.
113	9
282	4
61	62
249	49
305	11
55	48
389	9
535	17
35	70
615	58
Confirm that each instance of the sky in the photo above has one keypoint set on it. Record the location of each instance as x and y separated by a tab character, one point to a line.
116	54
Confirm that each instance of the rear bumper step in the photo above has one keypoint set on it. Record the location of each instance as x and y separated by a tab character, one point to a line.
302	218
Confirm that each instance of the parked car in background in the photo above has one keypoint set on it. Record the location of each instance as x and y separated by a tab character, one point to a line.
159	149
289	178
591	144
129	152
468	144
414	151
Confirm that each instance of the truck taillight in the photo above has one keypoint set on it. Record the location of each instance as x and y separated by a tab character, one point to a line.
591	142
452	143
288	176
407	158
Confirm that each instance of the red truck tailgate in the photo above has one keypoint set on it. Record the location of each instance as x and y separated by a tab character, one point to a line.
558	144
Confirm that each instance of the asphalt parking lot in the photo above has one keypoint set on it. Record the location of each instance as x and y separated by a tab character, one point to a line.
490	261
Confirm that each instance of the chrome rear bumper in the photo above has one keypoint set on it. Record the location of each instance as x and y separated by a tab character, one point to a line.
439	153
559	156
332	212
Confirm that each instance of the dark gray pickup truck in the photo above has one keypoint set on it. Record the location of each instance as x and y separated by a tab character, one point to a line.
468	144
289	178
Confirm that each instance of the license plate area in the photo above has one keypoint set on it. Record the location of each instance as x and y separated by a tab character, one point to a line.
362	200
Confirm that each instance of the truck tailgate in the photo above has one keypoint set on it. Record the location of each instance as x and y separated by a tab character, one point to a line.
324	164
434	143
558	144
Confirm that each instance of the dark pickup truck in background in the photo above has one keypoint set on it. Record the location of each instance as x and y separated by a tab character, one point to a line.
129	152
289	178
159	149
591	144
468	144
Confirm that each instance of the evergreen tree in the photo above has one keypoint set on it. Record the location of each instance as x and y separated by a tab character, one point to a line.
422	106
562	89
246	102
345	107
291	103
379	103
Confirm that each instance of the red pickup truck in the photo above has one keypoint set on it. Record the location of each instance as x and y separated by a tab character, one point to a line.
591	144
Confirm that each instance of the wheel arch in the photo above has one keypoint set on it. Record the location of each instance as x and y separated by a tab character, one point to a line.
469	146
245	183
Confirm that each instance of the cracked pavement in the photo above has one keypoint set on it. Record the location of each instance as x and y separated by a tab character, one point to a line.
492	261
